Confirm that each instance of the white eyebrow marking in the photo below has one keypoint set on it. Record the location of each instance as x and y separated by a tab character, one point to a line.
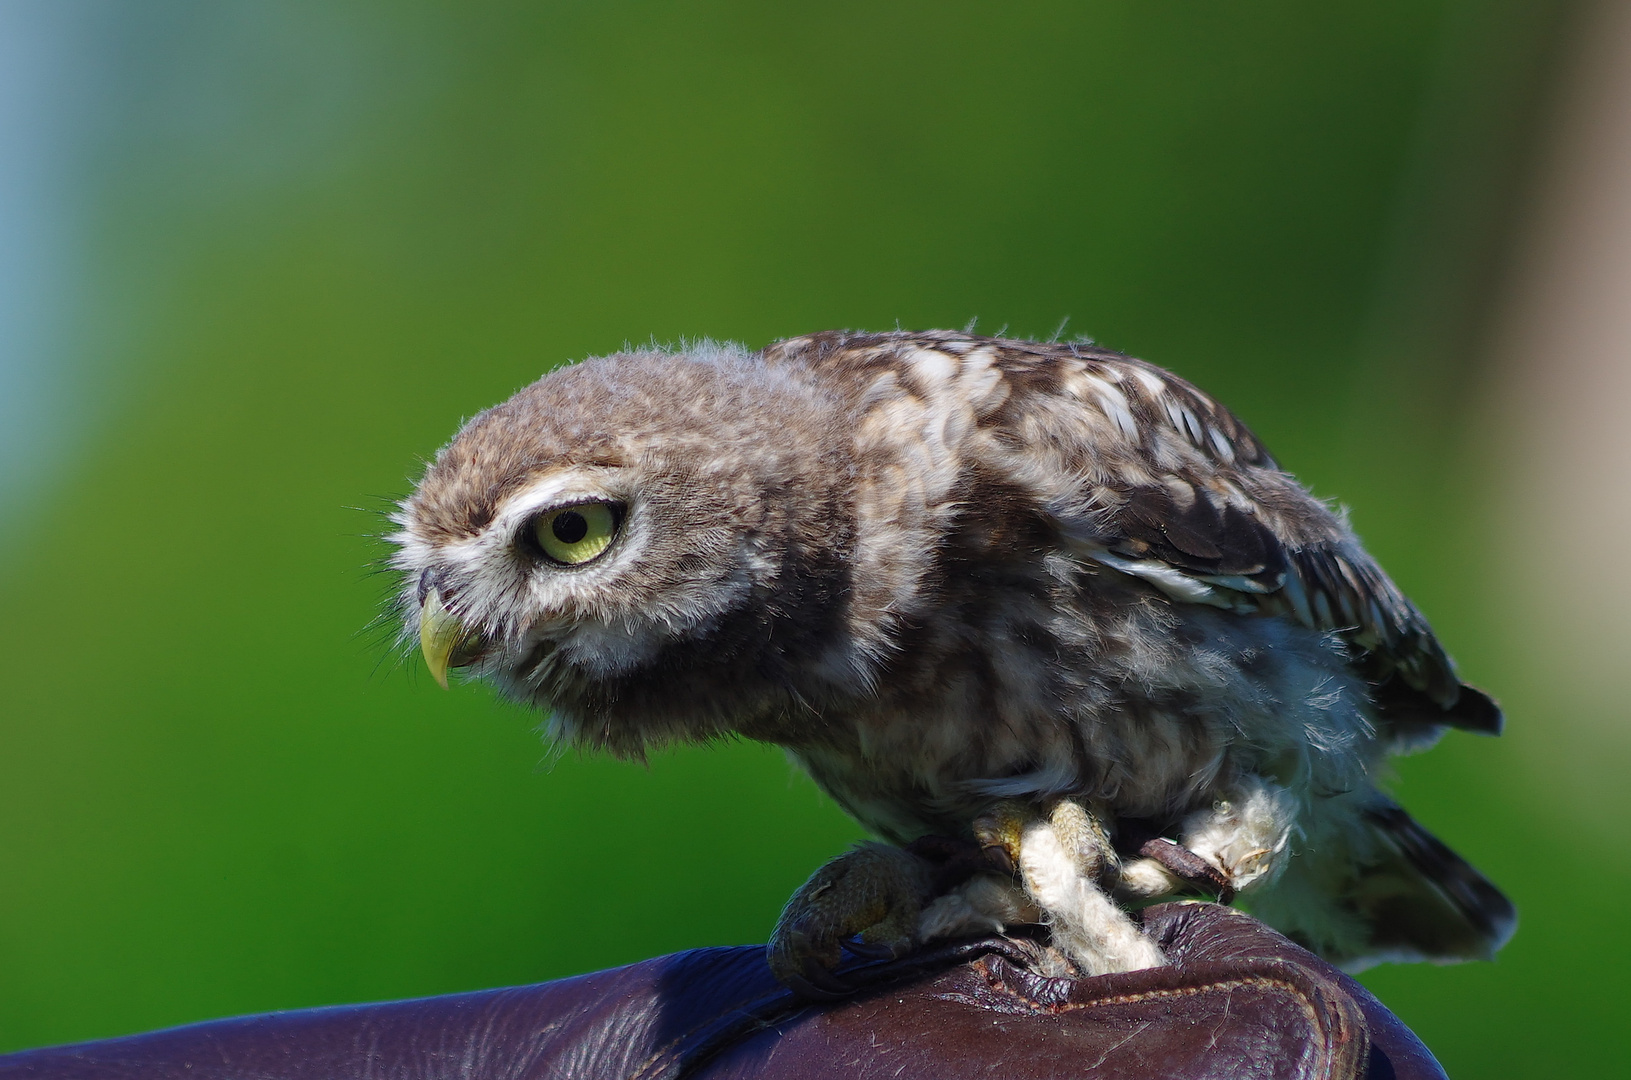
561	487
546	491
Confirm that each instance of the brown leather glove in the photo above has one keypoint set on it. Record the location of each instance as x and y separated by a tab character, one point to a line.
1237	1001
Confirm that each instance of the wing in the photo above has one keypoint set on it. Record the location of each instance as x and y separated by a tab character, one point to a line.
1146	475
1173	489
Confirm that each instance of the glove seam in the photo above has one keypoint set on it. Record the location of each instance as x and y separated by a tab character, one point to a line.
1328	1037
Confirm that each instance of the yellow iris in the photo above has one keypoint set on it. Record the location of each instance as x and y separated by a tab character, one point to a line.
576	534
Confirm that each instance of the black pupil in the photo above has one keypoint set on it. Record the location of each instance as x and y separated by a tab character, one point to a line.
569	527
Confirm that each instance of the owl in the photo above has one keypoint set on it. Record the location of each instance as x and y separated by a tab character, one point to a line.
1042	602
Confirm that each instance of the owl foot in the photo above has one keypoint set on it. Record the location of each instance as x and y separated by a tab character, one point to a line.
1245	833
1175	867
1068	867
974	892
1230	846
875	891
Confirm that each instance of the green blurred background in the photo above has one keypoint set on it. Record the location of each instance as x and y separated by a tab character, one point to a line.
264	257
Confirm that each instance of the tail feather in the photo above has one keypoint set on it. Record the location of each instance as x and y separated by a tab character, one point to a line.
1383	888
1456	913
1411	720
1476	711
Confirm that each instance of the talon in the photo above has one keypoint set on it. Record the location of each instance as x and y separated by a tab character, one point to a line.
868	950
1190	868
998	834
1000	858
803	988
1252	858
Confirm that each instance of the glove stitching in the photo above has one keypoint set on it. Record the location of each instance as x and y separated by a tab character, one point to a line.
1260	982
685	1052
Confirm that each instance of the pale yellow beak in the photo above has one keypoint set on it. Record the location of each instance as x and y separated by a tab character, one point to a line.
440	632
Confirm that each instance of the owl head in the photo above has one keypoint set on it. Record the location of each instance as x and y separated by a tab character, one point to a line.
651	546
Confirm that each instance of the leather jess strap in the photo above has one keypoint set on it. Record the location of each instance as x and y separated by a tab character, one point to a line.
1237	1001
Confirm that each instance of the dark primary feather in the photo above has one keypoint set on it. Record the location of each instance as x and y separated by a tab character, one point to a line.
1198	536
1231	518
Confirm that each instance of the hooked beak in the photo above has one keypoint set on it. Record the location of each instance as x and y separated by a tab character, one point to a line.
440	633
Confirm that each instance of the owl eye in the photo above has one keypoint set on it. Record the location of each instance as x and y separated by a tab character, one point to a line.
576	534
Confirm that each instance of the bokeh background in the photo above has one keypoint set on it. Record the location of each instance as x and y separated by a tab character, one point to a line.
257	260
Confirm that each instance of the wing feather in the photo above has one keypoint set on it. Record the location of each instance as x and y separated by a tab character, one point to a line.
1204	514
1147	476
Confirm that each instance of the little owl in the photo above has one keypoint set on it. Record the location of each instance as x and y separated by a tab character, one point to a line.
1043	602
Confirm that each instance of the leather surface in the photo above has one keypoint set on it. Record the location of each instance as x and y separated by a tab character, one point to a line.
1238	1001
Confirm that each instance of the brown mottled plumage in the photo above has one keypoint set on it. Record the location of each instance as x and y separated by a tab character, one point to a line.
946	571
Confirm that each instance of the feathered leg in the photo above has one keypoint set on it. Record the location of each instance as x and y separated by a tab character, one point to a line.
1066	864
1240	841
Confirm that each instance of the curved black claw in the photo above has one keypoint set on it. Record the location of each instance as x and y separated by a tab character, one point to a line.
869	950
816	983
1189	868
